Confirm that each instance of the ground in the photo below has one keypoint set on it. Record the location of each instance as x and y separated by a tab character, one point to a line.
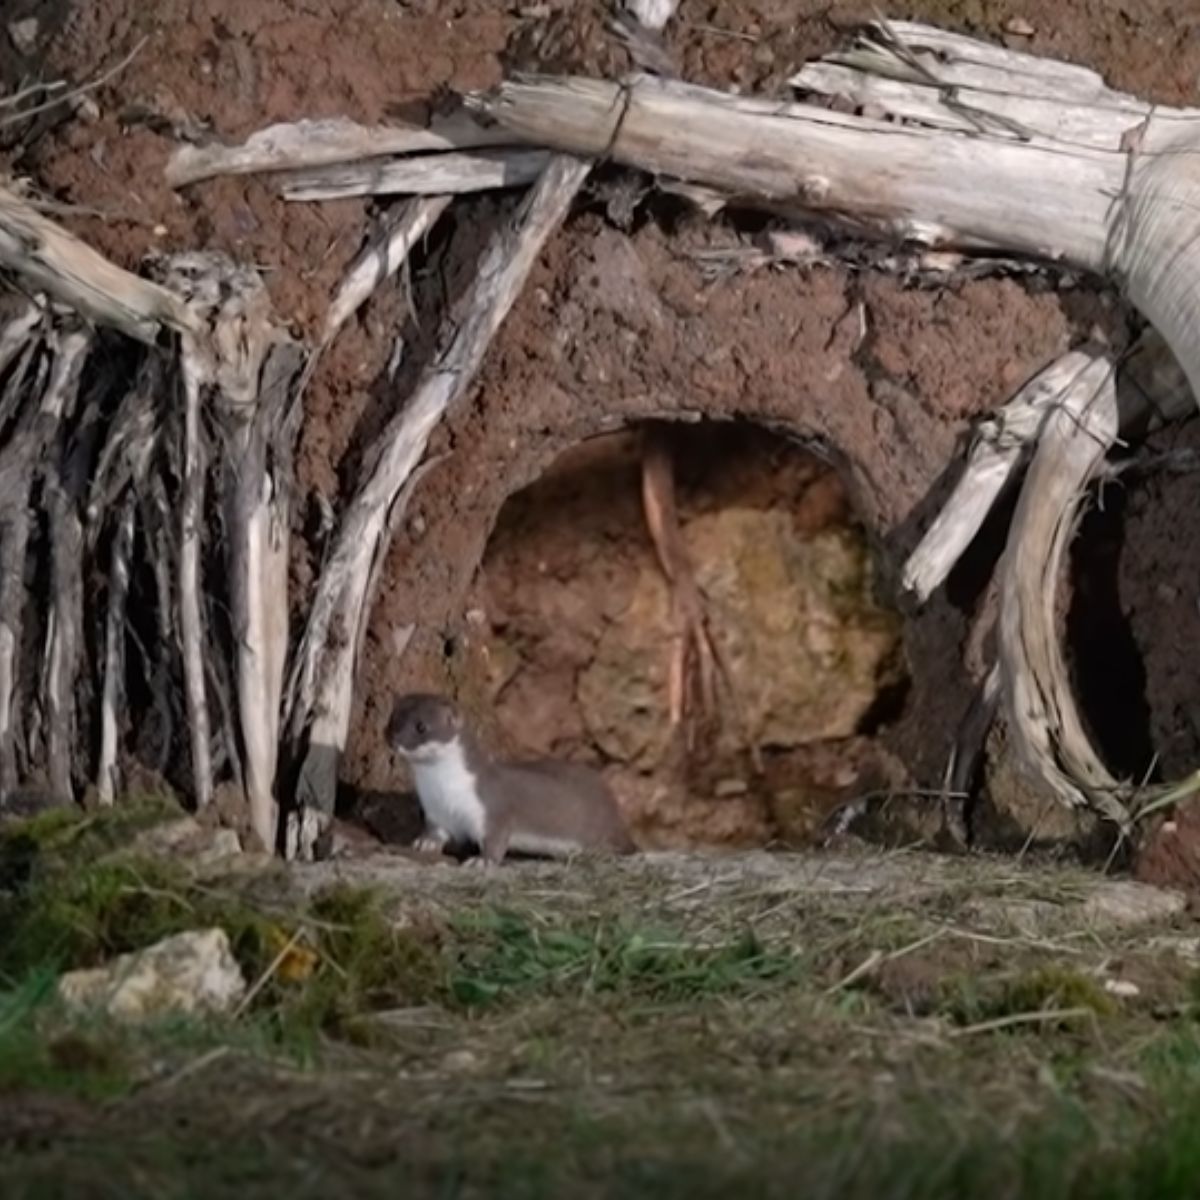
851	1024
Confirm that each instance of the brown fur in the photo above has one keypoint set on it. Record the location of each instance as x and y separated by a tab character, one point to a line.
561	802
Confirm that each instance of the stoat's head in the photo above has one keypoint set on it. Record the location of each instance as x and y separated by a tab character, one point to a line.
423	727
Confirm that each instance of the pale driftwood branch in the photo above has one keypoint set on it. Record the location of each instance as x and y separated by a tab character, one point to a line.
260	523
247	364
320	690
949	81
54	261
424	175
113	669
18	461
929	185
1155	246
1044	723
1151	389
1001	441
191	613
316	143
961	61
64	642
381	258
18	332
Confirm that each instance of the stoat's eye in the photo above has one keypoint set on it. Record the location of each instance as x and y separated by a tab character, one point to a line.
421	730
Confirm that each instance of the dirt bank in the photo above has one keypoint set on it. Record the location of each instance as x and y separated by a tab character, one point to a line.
881	377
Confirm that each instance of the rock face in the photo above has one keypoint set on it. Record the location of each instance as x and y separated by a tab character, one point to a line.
807	647
190	973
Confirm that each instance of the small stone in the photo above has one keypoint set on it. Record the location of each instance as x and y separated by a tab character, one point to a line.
1122	987
24	34
1019	26
460	1060
730	787
189	973
86	109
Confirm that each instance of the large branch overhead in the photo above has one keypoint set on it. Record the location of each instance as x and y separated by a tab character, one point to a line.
986	191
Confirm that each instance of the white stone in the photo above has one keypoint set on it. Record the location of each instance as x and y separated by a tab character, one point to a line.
1121	987
190	973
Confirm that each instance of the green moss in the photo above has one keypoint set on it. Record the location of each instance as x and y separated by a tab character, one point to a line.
71	899
1041	989
362	964
79	1062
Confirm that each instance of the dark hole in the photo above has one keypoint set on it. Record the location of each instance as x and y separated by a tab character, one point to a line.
1107	670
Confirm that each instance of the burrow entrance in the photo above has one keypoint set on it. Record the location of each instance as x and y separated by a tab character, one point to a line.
575	617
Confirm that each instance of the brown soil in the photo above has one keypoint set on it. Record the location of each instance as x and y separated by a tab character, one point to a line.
613	329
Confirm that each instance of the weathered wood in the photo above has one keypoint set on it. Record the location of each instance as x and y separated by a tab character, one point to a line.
654	14
321	690
1151	390
314	143
424	175
933	186
948	81
62	490
247	368
54	261
1043	721
191	613
112	693
381	258
19	459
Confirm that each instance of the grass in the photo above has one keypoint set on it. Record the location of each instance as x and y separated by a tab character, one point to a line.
592	1034
504	955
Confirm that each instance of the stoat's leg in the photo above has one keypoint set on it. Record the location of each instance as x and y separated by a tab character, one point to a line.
433	840
495	843
695	656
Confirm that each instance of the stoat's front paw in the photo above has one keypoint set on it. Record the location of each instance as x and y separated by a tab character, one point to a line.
479	863
429	843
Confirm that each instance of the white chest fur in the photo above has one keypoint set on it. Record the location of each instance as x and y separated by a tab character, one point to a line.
448	790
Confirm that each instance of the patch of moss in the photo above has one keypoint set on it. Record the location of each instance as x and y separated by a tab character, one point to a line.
1047	988
74	903
361	963
75	1061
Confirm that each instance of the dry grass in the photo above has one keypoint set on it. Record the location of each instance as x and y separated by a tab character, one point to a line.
888	1025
